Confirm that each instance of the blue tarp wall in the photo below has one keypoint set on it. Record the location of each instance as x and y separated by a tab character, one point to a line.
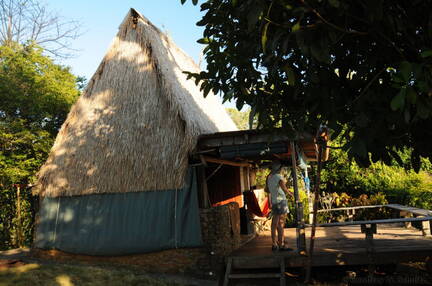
122	223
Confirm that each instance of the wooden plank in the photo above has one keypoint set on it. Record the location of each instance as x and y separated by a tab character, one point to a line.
226	162
351	208
282	272
254	275
377	221
255	262
249	137
413	210
228	272
337	258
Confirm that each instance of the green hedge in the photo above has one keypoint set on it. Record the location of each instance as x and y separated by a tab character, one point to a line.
399	186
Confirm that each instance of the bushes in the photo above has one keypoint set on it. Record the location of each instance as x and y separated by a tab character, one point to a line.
16	230
35	96
397	184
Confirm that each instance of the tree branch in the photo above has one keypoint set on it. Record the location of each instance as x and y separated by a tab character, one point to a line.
336	27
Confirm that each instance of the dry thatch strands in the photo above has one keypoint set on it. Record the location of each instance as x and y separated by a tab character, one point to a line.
137	122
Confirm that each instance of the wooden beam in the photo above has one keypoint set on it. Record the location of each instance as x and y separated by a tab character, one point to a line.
351	208
203	161
254	275
377	221
18	211
413	210
282	272
226	162
314	216
203	196
369	231
301	239
335	259
227	272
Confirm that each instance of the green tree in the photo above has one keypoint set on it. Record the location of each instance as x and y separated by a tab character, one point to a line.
240	118
35	97
23	149
398	184
33	88
366	65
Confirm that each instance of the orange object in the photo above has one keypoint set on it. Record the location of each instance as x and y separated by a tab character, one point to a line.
253	205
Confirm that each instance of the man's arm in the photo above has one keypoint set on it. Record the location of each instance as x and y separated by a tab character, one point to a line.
266	189
284	188
269	201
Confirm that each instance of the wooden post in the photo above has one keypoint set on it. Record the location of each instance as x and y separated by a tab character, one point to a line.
408	215
300	232
309	197
369	231
282	270
426	227
19	224
315	211
204	200
351	214
227	272
301	241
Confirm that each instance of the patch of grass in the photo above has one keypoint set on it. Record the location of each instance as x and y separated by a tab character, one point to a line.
72	275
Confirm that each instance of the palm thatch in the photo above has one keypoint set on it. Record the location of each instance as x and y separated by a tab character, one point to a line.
136	123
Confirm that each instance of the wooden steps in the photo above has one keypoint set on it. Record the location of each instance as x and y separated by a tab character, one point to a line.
230	268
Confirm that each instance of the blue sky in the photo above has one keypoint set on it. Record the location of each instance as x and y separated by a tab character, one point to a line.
100	21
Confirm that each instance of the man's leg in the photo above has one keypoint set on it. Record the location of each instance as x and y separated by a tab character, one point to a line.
274	226
280	228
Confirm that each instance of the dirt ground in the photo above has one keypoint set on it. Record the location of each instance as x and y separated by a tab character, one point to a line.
18	268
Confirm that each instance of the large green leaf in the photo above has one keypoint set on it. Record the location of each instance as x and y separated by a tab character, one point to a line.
405	70
290	74
264	37
355	64
398	101
203	41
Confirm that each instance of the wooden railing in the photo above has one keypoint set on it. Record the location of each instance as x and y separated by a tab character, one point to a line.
369	227
406	215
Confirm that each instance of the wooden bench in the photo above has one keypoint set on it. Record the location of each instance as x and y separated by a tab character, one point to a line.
403	211
408	212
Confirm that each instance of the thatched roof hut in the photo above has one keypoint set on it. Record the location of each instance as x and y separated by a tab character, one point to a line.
136	123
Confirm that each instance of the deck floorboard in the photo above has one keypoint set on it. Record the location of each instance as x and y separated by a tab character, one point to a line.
342	245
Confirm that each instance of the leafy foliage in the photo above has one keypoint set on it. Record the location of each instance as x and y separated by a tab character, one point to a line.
397	184
362	64
335	200
241	119
33	88
35	97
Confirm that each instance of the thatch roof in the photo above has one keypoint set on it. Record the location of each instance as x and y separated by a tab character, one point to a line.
136	123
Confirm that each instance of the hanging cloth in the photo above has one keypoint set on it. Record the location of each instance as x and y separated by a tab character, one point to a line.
253	205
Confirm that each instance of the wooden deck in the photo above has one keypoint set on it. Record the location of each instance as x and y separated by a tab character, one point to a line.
338	245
